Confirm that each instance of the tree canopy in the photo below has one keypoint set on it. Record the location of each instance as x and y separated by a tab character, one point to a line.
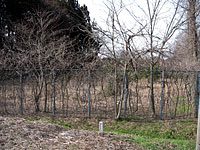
24	22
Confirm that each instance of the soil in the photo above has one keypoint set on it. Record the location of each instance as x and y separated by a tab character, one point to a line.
20	134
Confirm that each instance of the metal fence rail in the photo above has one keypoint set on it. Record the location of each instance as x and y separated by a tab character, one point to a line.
91	93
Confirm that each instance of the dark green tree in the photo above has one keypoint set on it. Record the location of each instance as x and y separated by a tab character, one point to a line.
74	22
45	34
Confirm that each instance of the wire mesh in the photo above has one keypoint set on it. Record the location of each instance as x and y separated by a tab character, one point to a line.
79	94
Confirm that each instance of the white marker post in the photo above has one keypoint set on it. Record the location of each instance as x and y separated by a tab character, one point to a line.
198	126
101	126
198	133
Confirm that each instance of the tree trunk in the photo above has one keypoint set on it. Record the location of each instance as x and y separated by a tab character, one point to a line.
193	49
37	103
122	95
152	90
116	91
38	92
45	94
194	93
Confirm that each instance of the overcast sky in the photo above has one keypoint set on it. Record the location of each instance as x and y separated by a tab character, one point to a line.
133	15
97	10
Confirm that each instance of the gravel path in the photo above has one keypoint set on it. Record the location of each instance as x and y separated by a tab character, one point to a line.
18	133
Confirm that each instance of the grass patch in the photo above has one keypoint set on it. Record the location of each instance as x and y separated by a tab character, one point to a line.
13	123
176	134
169	144
22	135
79	124
183	106
169	135
32	118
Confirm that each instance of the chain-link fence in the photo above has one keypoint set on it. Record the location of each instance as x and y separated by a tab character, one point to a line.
98	93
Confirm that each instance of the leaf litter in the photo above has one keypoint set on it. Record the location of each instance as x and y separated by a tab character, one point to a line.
20	134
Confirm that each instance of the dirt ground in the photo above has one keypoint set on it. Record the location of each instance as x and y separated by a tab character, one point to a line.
18	133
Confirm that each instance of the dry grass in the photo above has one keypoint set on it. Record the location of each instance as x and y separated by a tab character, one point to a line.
18	133
72	98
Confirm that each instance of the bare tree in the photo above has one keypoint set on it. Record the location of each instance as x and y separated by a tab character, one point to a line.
143	38
186	46
193	47
41	45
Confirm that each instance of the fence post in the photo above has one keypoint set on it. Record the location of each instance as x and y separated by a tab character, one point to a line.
198	92
45	94
162	93
53	94
89	106
125	94
21	93
198	108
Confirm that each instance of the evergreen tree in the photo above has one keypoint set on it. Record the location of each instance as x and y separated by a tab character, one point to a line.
74	22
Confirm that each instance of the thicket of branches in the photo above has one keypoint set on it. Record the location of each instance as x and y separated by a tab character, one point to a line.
38	35
147	40
46	35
